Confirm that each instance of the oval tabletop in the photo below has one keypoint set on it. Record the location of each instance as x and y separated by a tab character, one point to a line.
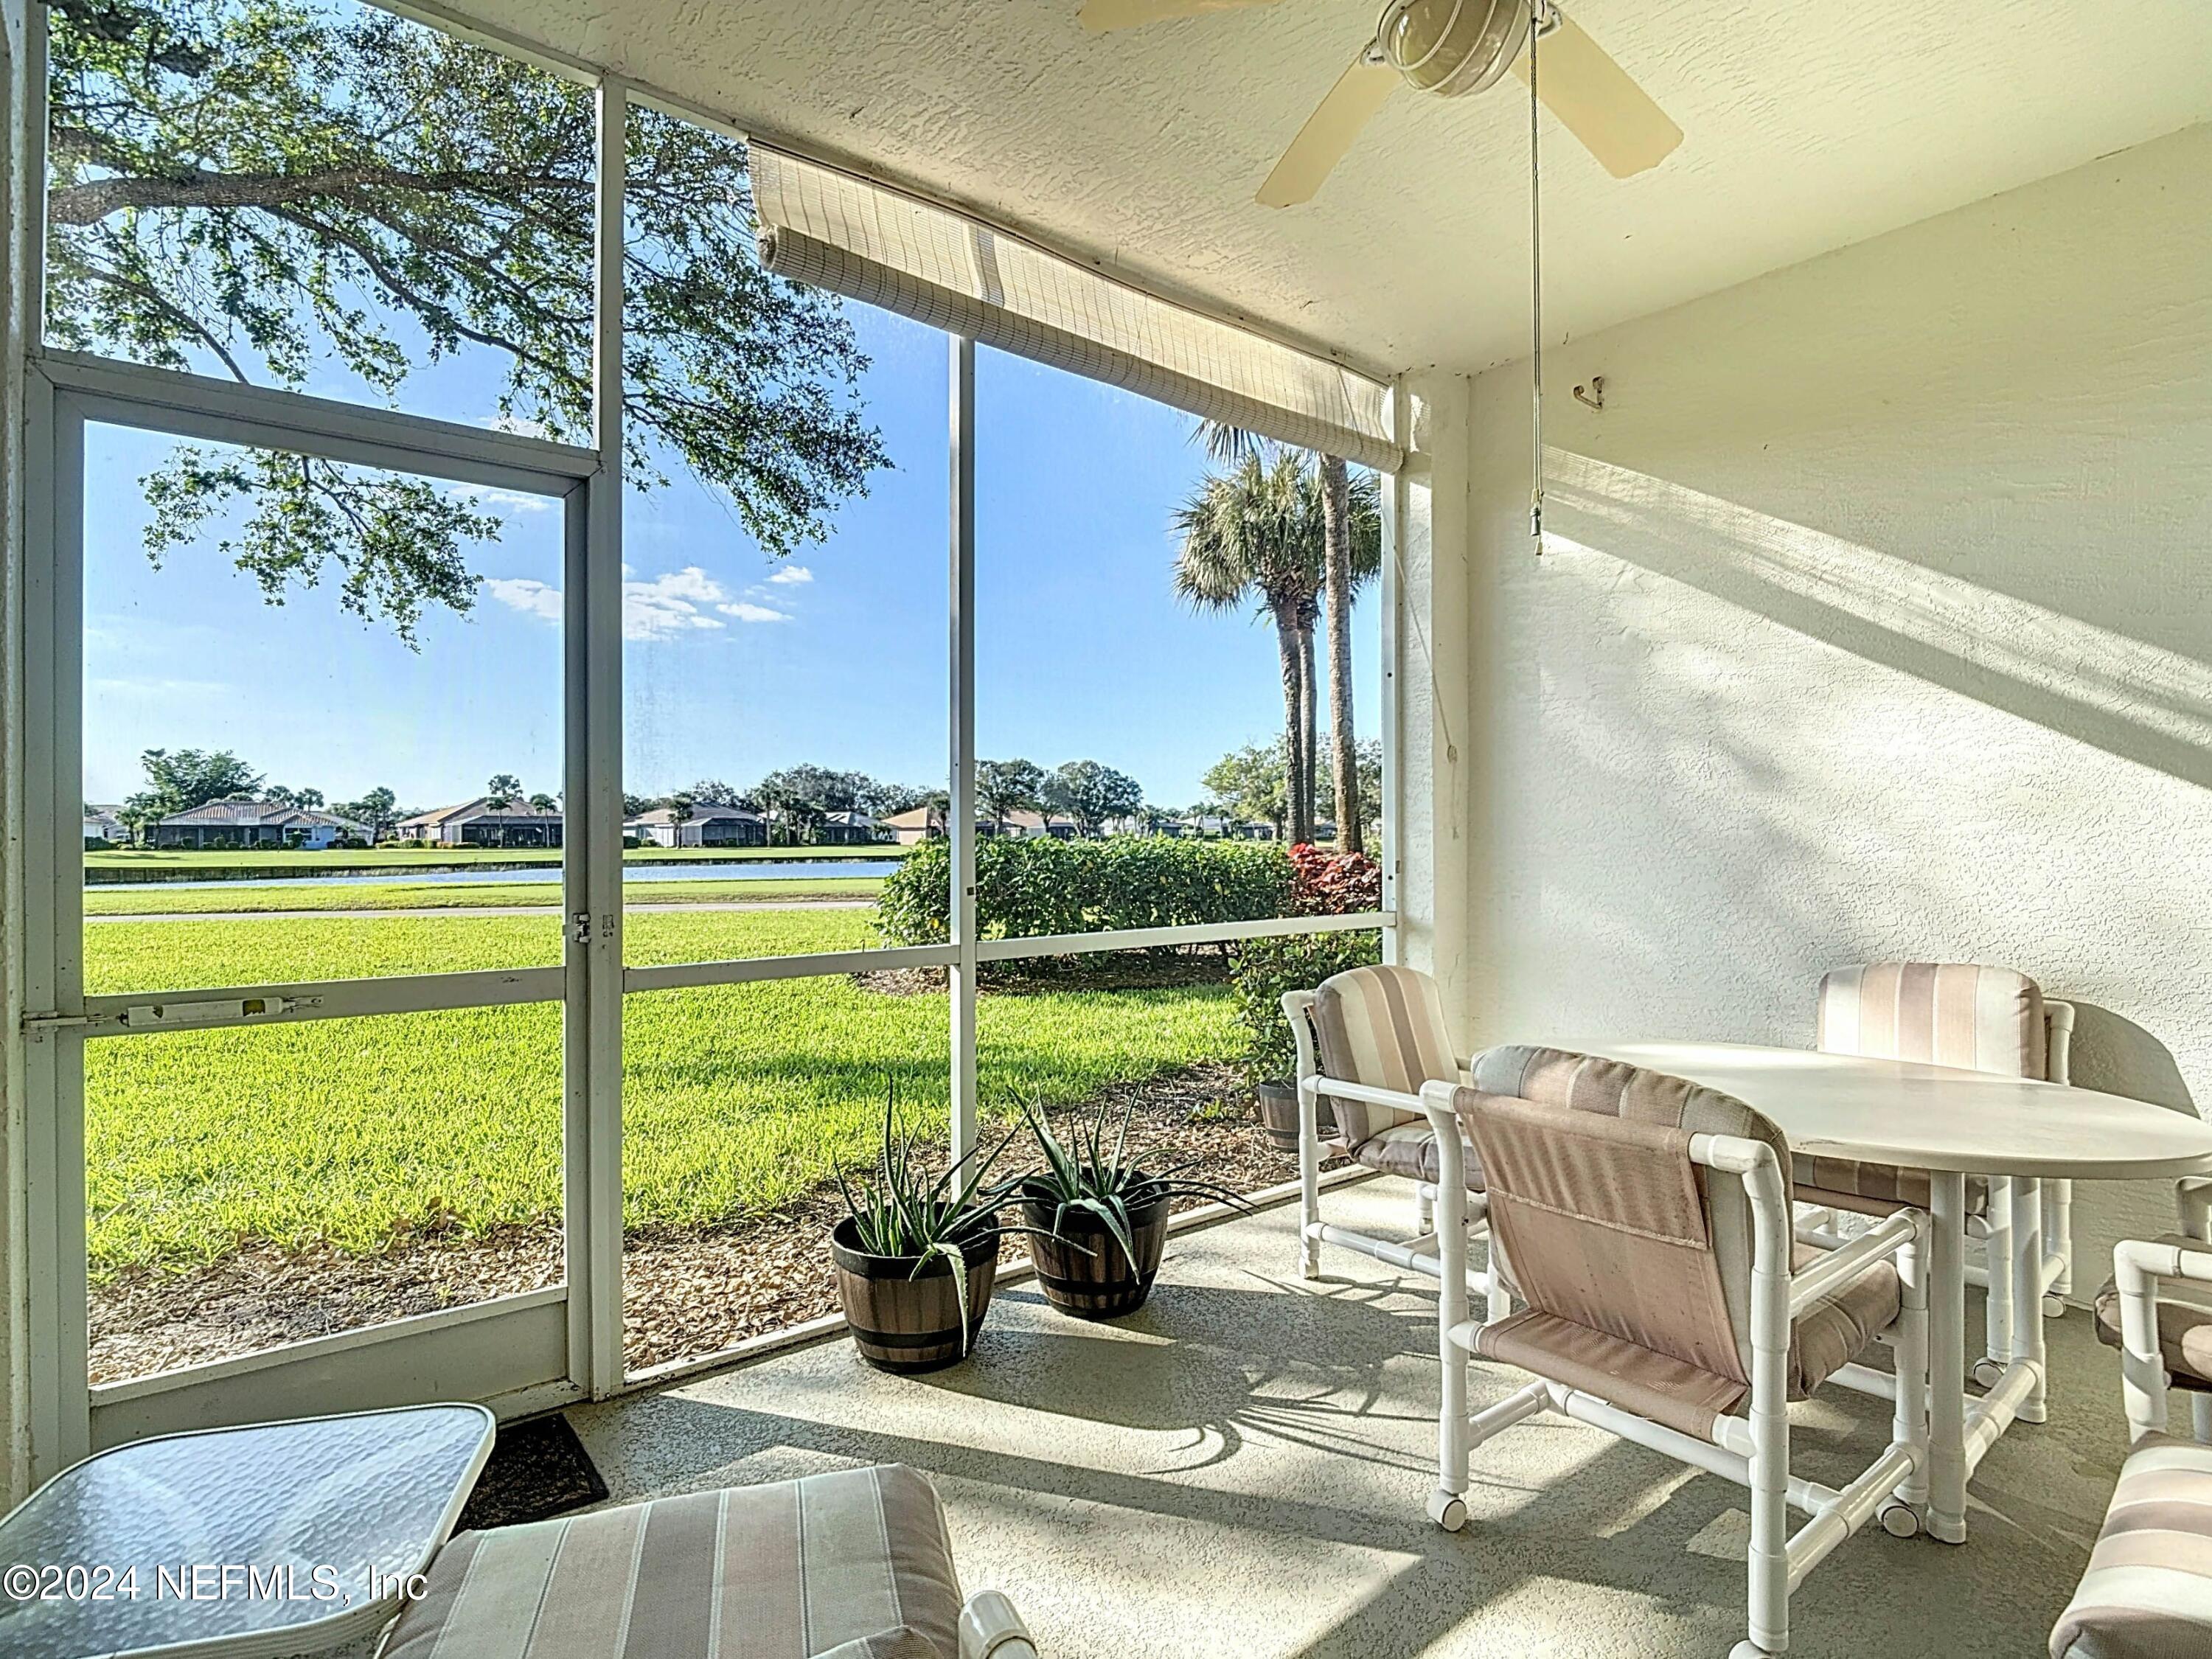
240	1540
1936	1117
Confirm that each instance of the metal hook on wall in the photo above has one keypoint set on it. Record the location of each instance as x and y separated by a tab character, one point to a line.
1592	395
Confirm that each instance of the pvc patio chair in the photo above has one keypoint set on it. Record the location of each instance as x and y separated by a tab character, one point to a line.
2148	1590
1645	1223
1978	1018
2185	1311
1368	1039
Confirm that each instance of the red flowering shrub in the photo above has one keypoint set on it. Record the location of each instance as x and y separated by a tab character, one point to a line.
1333	883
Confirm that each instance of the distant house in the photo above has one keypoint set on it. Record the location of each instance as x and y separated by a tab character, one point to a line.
707	826
253	823
928	823
1028	826
845	829
101	823
915	825
479	823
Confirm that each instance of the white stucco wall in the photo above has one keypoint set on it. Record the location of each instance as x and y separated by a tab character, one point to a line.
1877	622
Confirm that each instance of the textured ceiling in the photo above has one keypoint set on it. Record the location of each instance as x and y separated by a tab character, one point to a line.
1810	123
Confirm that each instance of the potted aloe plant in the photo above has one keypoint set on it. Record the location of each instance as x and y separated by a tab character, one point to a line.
917	1253
1098	1217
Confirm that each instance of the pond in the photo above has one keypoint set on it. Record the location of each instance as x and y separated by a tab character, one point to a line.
726	870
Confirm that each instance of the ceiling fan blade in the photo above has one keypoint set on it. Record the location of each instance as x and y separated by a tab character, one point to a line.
1100	15
1329	133
1595	100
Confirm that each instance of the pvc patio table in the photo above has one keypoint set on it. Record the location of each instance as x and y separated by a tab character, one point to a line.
244	1543
1950	1123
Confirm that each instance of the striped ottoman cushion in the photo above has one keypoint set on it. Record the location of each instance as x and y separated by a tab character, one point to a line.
853	1564
2148	1594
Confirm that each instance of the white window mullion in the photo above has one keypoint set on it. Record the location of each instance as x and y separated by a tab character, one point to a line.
593	868
1393	504
53	981
960	815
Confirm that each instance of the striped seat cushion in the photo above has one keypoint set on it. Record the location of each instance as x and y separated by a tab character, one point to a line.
1825	1338
1383	1027
1410	1149
2184	1323
2148	1594
854	1565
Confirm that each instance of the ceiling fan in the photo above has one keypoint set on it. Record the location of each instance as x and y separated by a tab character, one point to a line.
1451	48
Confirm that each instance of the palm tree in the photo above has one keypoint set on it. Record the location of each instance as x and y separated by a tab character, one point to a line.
1226	443
1254	533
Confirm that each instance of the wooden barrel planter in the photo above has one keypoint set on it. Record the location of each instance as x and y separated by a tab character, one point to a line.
905	1322
1277	1106
1082	1268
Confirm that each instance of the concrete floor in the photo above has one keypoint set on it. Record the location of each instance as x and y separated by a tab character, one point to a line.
1239	1469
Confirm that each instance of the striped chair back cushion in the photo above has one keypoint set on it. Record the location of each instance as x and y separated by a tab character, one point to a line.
1605	1222
1559	1079
1940	1013
1383	1027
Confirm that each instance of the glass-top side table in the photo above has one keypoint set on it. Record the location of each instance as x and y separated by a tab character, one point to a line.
247	1543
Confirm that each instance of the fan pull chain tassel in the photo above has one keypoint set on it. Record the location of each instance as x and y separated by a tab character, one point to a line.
1540	11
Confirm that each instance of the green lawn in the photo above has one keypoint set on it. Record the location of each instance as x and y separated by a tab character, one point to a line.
352	1131
127	866
157	900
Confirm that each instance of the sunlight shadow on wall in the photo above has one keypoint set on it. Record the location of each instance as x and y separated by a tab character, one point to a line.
2134	700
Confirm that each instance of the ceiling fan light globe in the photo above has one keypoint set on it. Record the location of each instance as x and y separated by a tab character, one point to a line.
1452	47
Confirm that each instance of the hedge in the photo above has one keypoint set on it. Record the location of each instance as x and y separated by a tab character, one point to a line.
1032	886
1262	969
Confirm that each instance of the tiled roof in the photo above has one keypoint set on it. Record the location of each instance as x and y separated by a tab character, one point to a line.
480	809
699	815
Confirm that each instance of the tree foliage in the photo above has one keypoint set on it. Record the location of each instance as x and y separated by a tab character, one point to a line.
259	187
376	811
806	795
1008	787
713	792
180	781
1091	793
1256	535
1247	783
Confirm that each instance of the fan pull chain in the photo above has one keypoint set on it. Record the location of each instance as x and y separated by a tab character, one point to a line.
1539	9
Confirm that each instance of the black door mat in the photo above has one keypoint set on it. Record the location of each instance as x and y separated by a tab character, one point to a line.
538	1468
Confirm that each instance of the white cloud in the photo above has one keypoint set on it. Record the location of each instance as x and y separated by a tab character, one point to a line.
745	610
532	597
689	583
792	572
661	608
668	604
502	501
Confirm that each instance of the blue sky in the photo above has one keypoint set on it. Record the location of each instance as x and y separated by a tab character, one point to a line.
734	665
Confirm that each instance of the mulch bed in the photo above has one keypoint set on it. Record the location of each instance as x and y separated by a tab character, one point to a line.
689	1291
